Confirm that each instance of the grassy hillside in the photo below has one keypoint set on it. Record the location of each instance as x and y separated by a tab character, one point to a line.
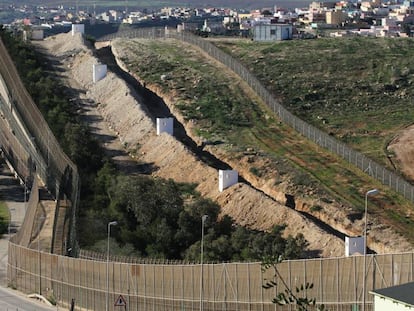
359	89
222	111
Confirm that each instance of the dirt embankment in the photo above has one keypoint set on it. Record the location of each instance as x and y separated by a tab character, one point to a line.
121	113
403	148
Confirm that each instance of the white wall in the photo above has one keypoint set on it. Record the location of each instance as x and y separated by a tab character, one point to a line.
37	34
383	304
354	245
272	32
165	125
227	178
78	28
99	72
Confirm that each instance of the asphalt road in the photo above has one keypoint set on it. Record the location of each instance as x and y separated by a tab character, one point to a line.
14	301
13	194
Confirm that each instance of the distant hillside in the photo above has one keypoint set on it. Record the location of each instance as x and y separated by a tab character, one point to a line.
247	4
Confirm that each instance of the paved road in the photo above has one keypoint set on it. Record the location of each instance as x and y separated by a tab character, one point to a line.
14	301
13	194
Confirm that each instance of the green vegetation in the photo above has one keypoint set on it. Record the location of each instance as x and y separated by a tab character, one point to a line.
198	84
4	218
316	208
210	102
52	100
157	218
357	89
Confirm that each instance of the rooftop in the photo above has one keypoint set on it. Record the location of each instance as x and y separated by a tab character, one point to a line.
401	293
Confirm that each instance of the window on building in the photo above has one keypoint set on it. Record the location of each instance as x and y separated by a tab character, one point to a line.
272	31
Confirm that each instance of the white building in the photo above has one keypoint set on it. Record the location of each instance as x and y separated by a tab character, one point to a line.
395	298
272	32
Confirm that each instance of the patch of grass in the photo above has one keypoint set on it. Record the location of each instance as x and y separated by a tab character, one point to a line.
255	171
358	89
4	218
316	208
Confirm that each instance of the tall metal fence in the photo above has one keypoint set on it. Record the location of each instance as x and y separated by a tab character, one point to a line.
370	167
28	143
24	236
338	282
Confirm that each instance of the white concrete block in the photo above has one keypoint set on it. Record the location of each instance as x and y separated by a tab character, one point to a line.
78	28
99	72
37	34
227	178
165	125
354	245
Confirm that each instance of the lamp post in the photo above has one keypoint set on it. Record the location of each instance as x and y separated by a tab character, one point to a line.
112	223
368	193
203	220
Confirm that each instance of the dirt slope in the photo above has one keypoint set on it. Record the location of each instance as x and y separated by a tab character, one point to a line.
120	113
403	148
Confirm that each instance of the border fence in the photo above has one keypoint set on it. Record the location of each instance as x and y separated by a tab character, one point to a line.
368	166
30	146
339	283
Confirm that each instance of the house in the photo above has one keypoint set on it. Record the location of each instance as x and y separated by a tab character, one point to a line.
395	298
335	17
272	32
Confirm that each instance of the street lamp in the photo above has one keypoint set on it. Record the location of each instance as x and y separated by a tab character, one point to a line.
368	193
203	220
112	223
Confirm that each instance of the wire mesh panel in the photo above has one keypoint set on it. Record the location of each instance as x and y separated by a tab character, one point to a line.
347	277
